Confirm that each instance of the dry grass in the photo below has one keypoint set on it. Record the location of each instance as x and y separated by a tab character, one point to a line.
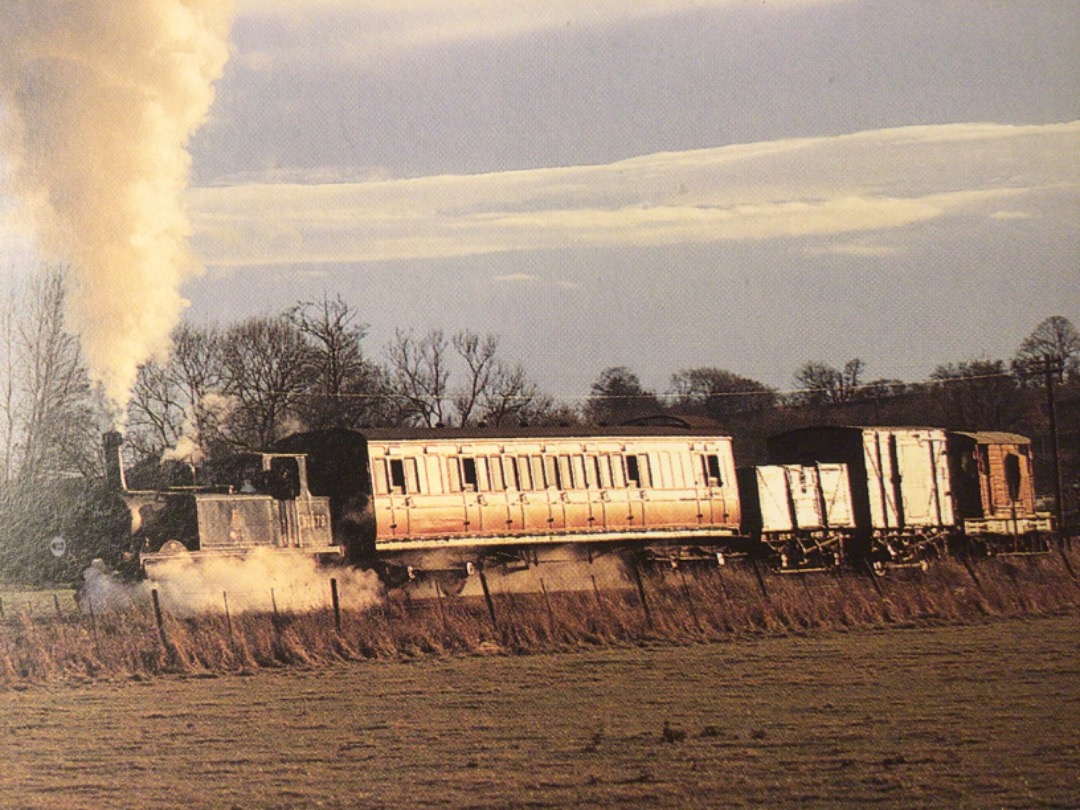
685	607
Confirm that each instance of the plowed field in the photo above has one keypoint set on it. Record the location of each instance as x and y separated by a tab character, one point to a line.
975	716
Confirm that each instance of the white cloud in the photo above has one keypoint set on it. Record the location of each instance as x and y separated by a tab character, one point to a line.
512	277
864	250
378	29
850	185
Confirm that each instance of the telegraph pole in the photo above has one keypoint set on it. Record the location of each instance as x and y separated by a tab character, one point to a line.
1052	366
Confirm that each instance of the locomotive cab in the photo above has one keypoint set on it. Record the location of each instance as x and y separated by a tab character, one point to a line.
262	500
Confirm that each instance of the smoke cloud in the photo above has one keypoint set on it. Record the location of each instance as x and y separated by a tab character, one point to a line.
262	580
98	100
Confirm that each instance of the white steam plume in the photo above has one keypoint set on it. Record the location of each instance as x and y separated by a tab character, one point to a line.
98	99
259	581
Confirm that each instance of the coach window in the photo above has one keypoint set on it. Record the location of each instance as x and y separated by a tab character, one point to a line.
551	472
633	474
494	467
468	474
617	472
581	481
536	463
663	476
510	473
433	475
565	473
397	475
524	473
592	472
645	468
453	473
382	484
712	470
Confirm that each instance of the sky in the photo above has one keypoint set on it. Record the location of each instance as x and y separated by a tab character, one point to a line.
659	184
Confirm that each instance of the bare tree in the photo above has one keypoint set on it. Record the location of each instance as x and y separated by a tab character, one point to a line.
59	419
617	395
482	367
419	373
822	384
511	397
180	398
267	367
490	391
8	389
53	418
346	389
1056	340
977	395
718	394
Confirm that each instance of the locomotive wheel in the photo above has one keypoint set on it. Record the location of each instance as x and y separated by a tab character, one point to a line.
173	547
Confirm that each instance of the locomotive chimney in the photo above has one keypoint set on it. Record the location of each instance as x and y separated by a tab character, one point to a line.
114	461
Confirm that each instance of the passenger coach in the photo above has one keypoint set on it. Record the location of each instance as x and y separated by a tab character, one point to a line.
403	490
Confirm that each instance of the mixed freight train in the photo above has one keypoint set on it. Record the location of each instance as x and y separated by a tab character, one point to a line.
412	500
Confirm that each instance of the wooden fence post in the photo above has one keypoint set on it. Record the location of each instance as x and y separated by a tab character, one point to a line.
596	591
336	603
641	594
442	608
760	579
228	618
487	598
547	601
690	600
160	620
93	625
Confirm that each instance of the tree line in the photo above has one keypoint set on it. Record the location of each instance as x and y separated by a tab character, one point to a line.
247	384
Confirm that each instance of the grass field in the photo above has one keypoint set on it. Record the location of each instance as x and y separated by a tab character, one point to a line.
982	715
57	644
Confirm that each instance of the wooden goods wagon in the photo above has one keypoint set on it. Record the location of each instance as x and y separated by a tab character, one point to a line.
803	513
994	490
900	487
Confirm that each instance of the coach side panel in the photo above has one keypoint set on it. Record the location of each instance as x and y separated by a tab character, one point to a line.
493	491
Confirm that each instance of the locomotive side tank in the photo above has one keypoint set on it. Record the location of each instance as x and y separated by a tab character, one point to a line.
266	504
900	485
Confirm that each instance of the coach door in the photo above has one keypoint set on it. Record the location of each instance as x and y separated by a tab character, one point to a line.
485	494
710	494
638	481
392	513
514	516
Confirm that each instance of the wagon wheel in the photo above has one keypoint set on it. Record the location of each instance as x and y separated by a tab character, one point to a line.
450	584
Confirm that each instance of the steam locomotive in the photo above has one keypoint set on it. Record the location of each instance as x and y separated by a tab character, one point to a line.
406	500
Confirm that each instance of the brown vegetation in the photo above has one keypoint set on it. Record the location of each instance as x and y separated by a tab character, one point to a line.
680	607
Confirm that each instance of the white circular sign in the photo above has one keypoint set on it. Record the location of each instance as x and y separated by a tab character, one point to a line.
58	546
